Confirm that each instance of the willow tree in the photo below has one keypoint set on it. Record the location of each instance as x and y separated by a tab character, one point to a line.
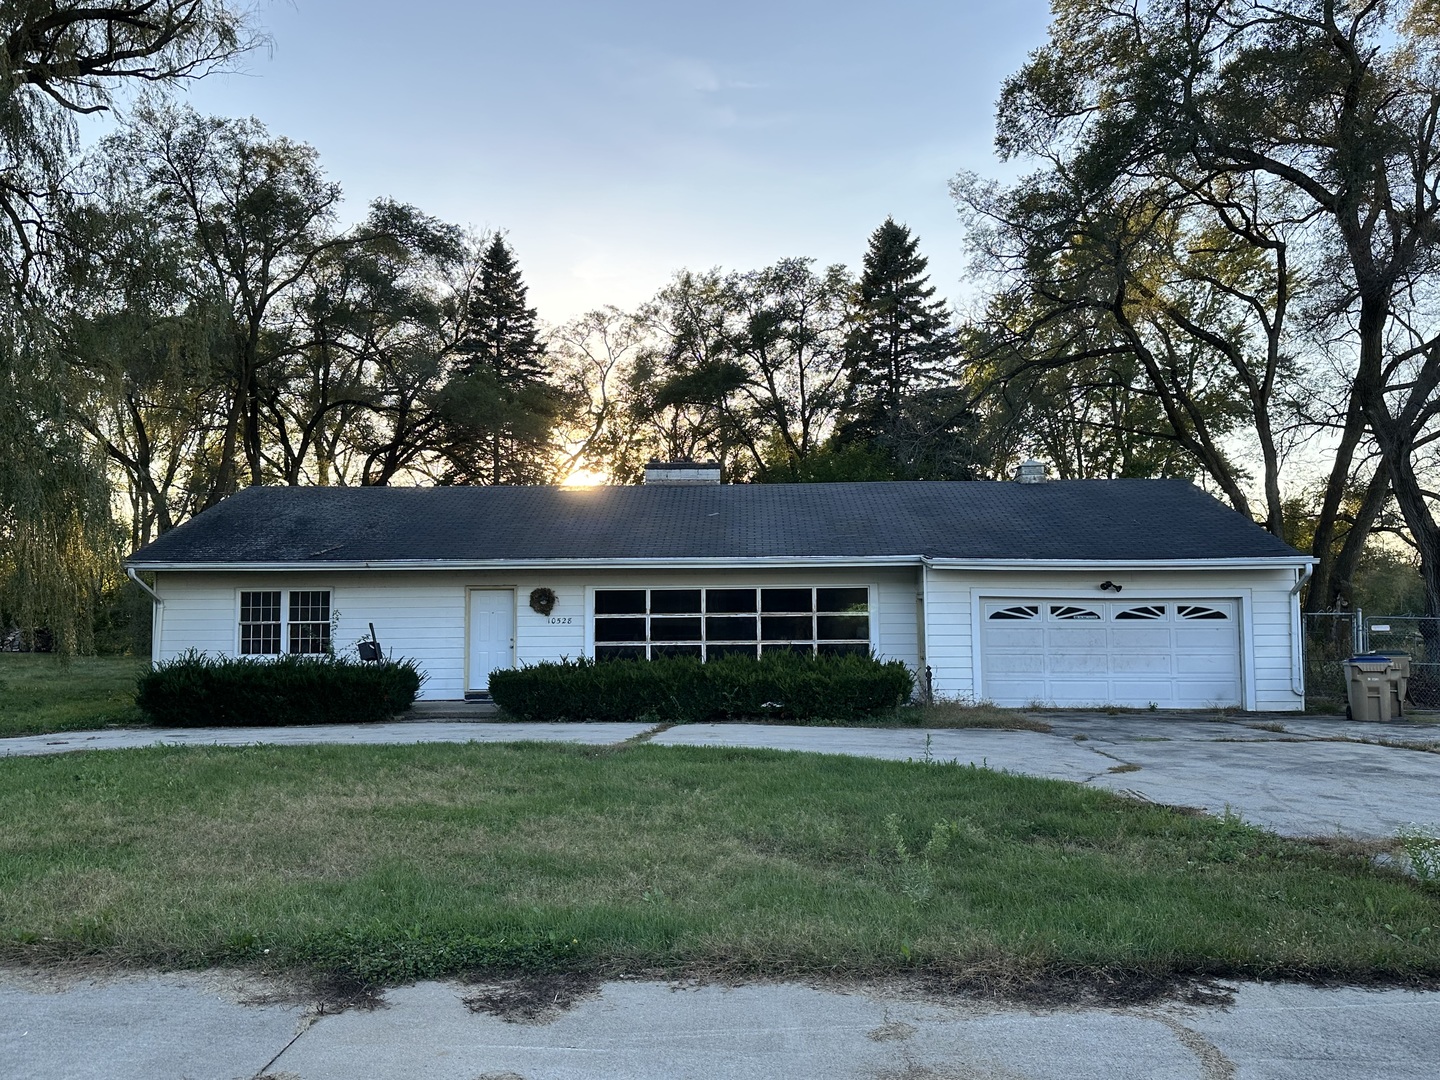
60	60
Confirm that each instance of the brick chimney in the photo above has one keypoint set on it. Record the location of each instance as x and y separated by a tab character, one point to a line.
682	472
1030	472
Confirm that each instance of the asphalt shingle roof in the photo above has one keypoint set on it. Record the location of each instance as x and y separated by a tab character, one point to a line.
1101	520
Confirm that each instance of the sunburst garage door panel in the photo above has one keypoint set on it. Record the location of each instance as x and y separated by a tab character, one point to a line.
1174	654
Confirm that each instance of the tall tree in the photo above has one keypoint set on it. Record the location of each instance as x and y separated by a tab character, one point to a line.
679	386
500	406
747	368
255	215
1134	286
1329	106
60	59
602	434
900	341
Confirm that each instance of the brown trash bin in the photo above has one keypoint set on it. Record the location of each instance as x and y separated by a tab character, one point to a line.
1376	687
1402	659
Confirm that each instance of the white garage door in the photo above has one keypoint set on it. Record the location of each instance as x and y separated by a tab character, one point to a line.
1175	654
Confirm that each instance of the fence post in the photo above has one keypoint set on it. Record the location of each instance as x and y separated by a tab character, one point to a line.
1362	644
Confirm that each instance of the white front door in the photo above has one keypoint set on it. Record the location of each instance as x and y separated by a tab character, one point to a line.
491	633
1174	654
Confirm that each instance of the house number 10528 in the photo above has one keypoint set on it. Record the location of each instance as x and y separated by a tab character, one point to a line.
560	620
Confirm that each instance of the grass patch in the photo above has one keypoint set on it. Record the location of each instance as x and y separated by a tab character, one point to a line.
40	694
374	865
954	714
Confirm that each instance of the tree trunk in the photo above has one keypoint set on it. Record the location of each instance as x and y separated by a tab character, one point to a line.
1341	581
1322	592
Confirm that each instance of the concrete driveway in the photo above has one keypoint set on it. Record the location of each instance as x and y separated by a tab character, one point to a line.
1314	777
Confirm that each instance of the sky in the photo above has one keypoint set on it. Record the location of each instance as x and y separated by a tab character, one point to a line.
617	141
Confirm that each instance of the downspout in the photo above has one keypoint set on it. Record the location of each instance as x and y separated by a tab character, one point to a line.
924	675
1297	634
157	610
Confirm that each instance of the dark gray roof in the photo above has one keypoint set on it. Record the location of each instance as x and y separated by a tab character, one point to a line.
1101	520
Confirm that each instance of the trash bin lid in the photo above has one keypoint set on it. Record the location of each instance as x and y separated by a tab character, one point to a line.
1372	664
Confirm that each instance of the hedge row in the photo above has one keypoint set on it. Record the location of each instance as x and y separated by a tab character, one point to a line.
196	690
778	686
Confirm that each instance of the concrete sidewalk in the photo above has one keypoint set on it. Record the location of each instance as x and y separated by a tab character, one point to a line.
158	1027
397	733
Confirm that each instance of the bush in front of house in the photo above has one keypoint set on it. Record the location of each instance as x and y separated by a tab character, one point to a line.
778	686
198	690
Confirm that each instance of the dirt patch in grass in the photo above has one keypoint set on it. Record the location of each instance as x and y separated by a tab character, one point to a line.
952	714
1350	847
533	999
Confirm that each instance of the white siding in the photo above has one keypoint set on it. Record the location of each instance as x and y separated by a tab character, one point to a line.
1266	641
421	614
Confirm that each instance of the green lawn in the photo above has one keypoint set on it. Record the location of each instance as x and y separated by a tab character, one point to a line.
386	863
40	694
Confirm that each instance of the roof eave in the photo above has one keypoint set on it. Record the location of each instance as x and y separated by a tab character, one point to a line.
1269	562
1260	562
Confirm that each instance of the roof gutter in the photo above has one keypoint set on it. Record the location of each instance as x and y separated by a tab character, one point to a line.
134	576
1275	563
547	564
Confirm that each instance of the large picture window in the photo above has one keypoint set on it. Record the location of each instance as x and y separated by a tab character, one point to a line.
648	623
300	622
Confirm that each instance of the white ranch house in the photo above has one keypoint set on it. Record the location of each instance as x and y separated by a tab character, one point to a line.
1066	593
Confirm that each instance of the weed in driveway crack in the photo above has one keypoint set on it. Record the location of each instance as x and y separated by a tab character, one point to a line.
648	734
1214	1065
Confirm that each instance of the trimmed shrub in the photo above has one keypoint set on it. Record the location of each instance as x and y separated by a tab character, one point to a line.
197	690
778	686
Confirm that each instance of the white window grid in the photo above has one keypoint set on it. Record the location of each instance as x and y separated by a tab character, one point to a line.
833	622
273	622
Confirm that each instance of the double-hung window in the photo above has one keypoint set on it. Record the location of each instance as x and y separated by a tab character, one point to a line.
649	623
273	621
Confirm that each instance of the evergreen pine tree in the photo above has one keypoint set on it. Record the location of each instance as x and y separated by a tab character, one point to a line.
503	335
899	341
500	408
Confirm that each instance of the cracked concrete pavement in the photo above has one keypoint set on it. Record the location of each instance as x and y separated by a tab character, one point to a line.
156	1027
1298	781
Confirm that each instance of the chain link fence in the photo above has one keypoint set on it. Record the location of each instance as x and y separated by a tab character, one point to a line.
1331	637
1418	637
